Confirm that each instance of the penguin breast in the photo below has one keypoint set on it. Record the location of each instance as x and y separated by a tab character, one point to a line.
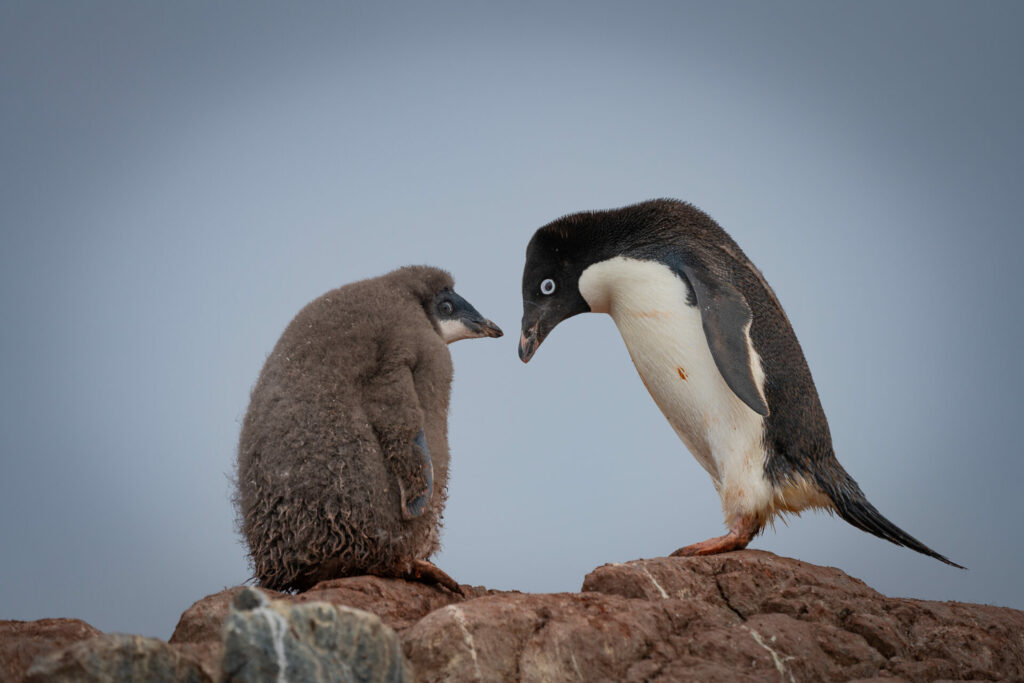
665	339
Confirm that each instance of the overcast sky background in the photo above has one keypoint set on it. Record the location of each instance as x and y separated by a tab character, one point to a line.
178	179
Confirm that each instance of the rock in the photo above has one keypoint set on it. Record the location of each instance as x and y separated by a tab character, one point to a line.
204	620
400	604
741	616
268	640
23	641
199	629
116	657
916	639
592	636
540	637
746	582
207	655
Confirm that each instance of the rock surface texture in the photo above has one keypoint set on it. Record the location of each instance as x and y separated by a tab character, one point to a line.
116	657
742	616
22	641
275	640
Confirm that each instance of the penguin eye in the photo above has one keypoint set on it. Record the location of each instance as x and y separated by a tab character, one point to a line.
445	307
547	287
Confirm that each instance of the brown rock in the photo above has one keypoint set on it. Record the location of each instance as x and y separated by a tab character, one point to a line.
534	637
22	641
202	622
598	637
747	582
398	603
742	616
914	639
116	657
198	633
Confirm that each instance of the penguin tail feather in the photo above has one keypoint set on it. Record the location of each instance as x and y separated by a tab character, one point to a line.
852	505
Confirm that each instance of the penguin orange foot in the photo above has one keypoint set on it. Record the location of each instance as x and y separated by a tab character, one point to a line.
740	534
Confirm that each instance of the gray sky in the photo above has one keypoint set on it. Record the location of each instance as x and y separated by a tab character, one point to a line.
178	179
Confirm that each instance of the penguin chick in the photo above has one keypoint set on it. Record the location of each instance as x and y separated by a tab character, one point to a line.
343	454
714	349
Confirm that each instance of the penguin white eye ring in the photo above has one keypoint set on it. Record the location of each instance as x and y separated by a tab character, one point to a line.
547	287
446	307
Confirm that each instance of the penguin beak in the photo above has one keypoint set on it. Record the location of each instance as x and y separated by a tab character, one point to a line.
468	326
539	320
465	322
483	327
528	344
530	338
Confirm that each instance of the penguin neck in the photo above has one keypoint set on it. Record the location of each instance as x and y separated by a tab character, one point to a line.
618	284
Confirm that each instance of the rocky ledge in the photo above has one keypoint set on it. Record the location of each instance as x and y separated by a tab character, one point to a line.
742	616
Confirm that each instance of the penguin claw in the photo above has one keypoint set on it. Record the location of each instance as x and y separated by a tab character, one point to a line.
740	534
428	572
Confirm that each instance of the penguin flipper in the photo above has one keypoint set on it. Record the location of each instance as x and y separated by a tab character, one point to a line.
414	502
397	420
726	318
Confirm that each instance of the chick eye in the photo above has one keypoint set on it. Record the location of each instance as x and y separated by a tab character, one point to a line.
445	307
547	287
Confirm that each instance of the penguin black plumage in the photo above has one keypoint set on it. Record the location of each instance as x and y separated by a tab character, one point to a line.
714	349
343	455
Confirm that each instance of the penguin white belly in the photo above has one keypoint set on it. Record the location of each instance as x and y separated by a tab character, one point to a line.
665	338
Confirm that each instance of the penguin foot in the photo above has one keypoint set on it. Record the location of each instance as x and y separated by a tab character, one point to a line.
428	572
740	534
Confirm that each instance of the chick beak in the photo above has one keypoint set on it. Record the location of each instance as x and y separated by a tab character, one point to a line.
486	328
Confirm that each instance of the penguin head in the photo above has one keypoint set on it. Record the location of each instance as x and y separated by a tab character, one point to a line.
555	259
452	317
457	319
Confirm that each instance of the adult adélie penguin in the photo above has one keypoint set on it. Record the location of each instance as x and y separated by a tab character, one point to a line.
715	350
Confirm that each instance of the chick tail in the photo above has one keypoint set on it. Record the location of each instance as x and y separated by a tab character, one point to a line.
853	506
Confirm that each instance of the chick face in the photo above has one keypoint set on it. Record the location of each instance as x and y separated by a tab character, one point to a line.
458	319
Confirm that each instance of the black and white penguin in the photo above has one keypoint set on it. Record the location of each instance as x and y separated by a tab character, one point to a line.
714	349
343	455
